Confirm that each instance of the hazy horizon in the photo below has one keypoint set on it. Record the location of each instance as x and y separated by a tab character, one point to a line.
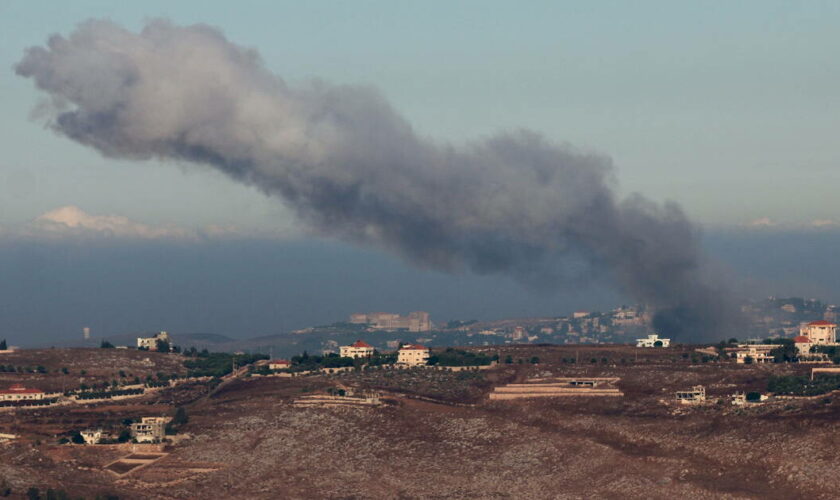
248	288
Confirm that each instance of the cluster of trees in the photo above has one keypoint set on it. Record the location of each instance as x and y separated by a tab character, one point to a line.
51	494
305	361
219	364
3	345
534	360
192	352
108	394
803	386
458	357
829	350
22	369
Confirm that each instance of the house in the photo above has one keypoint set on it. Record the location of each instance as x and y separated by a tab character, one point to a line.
697	394
803	345
653	340
413	355
279	364
151	343
358	349
754	353
149	429
18	392
91	436
820	332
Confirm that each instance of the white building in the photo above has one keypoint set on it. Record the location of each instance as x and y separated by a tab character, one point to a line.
149	429
18	392
358	349
820	332
151	343
653	340
91	436
413	355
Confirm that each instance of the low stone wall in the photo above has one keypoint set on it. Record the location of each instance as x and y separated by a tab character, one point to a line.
318	400
557	387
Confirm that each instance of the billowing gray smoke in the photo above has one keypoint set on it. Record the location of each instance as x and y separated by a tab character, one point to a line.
350	166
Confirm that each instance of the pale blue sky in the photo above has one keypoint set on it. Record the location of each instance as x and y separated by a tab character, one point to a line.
730	108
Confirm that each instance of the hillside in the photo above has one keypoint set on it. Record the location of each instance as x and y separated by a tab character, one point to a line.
435	434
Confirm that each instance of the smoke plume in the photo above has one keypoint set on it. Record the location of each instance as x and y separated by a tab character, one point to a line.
350	166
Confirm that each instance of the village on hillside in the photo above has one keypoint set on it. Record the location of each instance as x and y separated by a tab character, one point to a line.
151	416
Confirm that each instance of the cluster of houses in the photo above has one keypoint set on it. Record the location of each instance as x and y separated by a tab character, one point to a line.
815	333
407	355
147	430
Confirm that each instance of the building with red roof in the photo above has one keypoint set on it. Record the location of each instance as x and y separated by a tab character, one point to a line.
413	355
279	364
819	332
358	349
803	344
18	392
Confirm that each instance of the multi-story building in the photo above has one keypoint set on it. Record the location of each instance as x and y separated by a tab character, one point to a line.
417	321
358	349
413	355
149	429
754	353
18	392
820	332
151	343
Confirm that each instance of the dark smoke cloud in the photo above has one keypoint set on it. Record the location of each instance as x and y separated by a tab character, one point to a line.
349	165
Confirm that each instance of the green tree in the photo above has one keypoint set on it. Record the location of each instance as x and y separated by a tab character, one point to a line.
124	437
33	493
180	417
508	359
3	345
535	360
162	346
77	438
106	345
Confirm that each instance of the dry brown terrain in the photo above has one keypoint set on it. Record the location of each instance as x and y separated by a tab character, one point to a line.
248	441
84	366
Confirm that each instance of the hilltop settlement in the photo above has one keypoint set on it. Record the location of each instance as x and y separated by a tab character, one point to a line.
371	417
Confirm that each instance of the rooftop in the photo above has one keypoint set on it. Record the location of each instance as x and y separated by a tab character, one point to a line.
19	389
417	347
